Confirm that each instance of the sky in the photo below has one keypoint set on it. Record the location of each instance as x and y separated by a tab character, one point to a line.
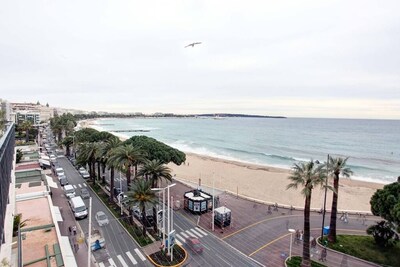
333	59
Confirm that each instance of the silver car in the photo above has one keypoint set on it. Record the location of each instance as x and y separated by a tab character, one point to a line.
101	218
85	193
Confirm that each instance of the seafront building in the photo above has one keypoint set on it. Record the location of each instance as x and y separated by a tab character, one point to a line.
30	111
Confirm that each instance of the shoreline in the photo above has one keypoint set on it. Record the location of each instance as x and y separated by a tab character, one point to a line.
261	182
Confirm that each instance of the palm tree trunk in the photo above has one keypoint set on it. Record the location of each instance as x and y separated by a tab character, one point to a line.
27	135
144	220
98	170
68	151
155	219
332	226
128	176
92	171
306	236
112	184
103	166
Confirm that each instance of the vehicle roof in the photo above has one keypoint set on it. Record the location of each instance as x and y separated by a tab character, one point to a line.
68	186
59	169
84	190
194	240
100	213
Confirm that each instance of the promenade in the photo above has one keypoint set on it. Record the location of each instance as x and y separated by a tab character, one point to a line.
263	235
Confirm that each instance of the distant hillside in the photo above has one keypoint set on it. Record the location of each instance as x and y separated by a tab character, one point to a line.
225	115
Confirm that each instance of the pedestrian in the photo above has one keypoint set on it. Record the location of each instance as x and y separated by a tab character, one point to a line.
69	230
346	217
313	243
297	236
74	229
301	235
323	255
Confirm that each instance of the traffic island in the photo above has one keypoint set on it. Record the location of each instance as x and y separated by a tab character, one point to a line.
295	261
160	258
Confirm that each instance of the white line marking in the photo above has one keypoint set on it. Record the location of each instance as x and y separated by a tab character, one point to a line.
190	233
80	186
101	264
181	238
178	242
185	235
196	233
111	261
84	184
140	254
74	186
223	260
122	261
131	258
201	231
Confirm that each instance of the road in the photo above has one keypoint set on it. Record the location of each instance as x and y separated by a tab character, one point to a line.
121	249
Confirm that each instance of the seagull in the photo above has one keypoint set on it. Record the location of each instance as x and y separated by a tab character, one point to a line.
193	44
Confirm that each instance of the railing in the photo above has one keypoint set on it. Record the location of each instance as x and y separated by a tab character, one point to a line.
7	144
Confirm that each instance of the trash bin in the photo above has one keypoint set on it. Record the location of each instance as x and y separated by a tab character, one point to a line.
326	230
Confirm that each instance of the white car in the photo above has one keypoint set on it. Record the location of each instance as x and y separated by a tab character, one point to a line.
60	172
53	158
84	173
101	218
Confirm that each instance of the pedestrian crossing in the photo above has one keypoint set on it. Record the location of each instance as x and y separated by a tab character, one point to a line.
79	185
119	260
193	232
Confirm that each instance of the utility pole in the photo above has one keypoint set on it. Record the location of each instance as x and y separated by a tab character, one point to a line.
213	205
326	184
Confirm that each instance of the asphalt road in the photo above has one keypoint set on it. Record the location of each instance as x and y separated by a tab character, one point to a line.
121	249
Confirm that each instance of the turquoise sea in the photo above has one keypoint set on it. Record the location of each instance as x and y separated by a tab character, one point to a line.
373	146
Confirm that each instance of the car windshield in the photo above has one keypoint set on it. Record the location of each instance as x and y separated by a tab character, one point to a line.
102	217
69	191
84	191
79	209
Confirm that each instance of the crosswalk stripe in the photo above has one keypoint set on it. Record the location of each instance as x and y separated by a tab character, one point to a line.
111	261
185	235
190	233
140	254
131	257
201	231
196	233
80	186
101	264
122	261
74	186
178	242
181	238
84	184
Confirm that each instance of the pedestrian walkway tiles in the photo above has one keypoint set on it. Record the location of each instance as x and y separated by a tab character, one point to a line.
124	262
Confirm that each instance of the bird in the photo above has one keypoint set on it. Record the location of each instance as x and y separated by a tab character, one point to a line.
193	44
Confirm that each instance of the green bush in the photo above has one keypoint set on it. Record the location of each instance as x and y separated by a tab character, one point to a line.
295	261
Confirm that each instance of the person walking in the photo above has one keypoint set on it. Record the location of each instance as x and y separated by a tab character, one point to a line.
323	255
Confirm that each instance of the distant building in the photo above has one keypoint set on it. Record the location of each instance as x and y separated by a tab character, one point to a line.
26	115
30	111
6	107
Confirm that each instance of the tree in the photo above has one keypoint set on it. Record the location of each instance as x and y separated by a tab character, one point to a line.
108	150
18	222
336	166
19	155
87	155
26	125
307	176
155	170
125	157
67	142
386	203
141	195
383	234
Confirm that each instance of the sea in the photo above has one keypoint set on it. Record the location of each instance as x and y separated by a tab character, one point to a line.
372	146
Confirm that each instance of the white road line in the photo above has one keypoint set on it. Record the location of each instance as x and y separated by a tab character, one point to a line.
111	261
196	233
80	186
201	231
190	233
131	258
185	235
178	242
74	186
140	254
122	261
101	264
223	260
84	184
180	238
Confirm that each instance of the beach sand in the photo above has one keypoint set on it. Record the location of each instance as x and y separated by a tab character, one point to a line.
268	184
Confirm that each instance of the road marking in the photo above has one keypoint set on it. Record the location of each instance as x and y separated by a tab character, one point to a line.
223	260
101	264
190	233
122	261
111	261
196	233
181	238
178	242
140	254
131	258
84	184
201	231
80	186
74	186
185	235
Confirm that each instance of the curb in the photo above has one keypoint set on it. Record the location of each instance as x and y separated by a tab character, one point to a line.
176	265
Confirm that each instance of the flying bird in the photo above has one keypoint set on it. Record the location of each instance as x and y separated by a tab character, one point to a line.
193	44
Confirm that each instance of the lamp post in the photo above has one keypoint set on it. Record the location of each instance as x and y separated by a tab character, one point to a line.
163	214
291	241
119	201
324	211
120	194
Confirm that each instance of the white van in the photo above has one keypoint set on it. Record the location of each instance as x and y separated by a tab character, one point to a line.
78	207
69	191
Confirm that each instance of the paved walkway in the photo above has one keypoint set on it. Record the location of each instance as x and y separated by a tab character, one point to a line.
247	215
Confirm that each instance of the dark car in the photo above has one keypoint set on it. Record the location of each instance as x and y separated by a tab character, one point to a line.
117	191
63	181
85	193
194	244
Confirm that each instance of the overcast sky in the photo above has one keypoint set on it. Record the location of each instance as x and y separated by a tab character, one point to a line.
292	58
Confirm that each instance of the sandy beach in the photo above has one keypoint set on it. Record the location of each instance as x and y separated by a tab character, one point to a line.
268	184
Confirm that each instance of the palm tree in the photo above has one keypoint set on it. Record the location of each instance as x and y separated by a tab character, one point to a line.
155	170
108	149
336	166
125	157
87	155
67	142
141	195
306	175
26	125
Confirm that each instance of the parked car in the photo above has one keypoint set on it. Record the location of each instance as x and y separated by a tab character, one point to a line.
53	158
63	181
60	171
61	177
194	244
85	193
101	218
84	173
69	191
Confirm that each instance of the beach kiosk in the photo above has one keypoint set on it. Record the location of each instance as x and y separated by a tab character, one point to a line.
197	201
222	216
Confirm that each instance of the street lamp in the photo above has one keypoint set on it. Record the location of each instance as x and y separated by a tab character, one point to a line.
163	214
119	200
291	241
326	188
